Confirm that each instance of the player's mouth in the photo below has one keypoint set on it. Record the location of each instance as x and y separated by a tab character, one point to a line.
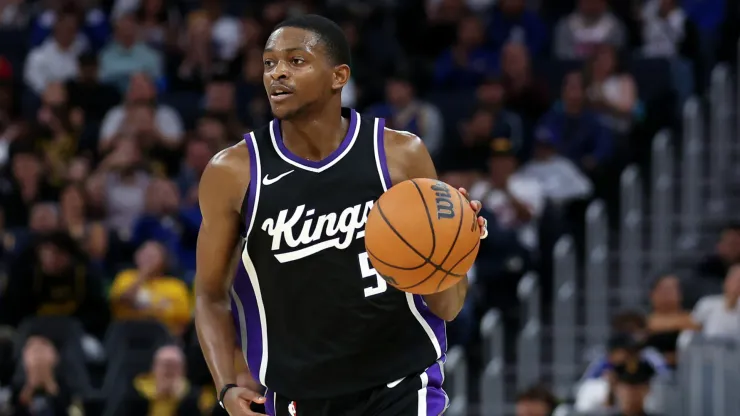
280	93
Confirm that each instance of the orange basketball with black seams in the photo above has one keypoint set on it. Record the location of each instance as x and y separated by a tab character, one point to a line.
422	236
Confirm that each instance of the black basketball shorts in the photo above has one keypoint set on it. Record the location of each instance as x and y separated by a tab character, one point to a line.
417	395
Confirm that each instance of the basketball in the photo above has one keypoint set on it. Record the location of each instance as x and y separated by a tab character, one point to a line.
422	236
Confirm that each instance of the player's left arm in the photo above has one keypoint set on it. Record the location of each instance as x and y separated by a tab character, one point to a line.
408	158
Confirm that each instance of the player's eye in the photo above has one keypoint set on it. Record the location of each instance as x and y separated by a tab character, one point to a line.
268	63
297	61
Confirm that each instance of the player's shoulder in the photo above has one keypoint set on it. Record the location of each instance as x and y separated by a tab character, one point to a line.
403	142
229	166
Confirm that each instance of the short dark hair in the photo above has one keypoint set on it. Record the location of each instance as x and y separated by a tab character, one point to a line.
538	393
627	321
328	32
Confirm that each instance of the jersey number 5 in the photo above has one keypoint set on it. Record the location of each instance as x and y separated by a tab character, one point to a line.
367	271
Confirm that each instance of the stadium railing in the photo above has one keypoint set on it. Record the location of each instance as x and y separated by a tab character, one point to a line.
597	274
529	339
564	309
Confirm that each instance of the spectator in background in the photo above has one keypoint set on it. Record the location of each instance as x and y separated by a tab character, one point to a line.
165	391
88	93
726	253
630	380
125	55
526	95
512	22
590	25
90	235
10	127
211	128
226	30
15	14
469	61
165	222
403	111
443	19
198	153
561	181
158	20
43	392
667	32
611	90
164	128
719	315
668	318
536	401
55	59
92	21
56	131
120	183
253	107
191	65
220	101
148	293
54	278
575	131
44	219
24	186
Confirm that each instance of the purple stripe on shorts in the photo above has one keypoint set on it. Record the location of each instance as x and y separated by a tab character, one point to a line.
381	153
308	163
270	403
253	181
246	295
436	396
436	323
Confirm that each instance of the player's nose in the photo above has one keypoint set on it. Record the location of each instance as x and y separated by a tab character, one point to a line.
281	70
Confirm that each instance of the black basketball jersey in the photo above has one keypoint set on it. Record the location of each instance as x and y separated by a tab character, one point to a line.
313	317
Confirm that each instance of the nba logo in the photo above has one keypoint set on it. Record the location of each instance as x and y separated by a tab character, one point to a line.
291	409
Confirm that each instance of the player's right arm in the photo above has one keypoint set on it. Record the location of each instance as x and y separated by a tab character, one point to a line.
221	191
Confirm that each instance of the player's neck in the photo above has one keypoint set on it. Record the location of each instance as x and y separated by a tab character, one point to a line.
315	137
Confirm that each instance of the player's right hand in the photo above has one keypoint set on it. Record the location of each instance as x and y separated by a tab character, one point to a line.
237	401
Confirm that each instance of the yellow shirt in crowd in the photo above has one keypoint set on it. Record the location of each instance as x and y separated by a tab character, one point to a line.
166	299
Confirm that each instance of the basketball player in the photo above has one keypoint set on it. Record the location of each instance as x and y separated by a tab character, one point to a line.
316	324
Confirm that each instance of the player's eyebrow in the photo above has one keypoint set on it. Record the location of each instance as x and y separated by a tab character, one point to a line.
300	49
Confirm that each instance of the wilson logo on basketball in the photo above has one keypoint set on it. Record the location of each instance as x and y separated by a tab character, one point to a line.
316	234
445	207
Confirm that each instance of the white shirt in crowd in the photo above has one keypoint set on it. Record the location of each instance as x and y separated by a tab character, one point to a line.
527	191
559	178
49	63
716	319
661	35
166	119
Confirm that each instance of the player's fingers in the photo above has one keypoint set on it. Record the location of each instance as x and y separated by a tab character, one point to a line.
251	396
483	223
464	193
476	205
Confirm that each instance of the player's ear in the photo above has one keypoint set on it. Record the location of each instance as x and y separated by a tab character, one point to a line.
341	76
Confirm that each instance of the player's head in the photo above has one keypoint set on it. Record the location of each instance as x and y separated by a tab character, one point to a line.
306	62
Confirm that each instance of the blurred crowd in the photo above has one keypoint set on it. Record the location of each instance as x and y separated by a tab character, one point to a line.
111	109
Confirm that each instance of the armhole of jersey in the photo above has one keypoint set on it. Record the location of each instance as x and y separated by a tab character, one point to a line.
251	195
381	160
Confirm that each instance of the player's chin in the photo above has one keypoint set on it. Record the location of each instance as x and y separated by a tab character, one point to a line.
283	112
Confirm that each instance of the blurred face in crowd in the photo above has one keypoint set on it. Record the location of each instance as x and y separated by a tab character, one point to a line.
78	170
481	125
732	282
44	218
168	369
491	95
53	260
728	246
512	7
666	295
592	8
162	197
220	96
604	62
212	130
72	202
198	154
399	93
252	33
631	397
470	32
573	93
515	60
152	7
151	257
529	407
26	167
253	66
125	32
140	89
298	73
65	30
501	168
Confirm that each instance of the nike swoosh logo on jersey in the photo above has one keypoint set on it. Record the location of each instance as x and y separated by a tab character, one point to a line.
267	181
